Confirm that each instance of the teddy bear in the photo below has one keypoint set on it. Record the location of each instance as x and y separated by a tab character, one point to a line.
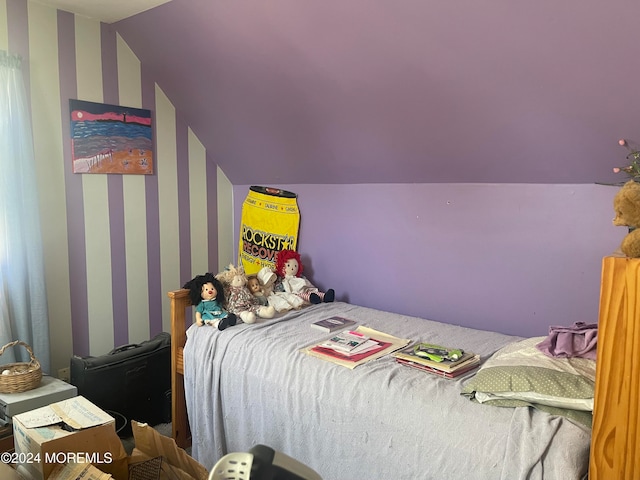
289	270
626	205
239	299
207	295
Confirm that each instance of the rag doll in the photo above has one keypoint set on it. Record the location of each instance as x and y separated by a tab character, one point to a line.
289	269
280	300
239	299
207	295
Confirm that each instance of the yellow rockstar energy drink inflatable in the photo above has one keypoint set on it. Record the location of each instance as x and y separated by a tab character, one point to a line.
269	223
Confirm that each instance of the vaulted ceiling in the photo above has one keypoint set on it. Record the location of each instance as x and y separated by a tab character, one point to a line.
108	11
409	91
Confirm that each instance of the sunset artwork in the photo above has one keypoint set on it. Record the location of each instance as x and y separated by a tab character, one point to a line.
110	139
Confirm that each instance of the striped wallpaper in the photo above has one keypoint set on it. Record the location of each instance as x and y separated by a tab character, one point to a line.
114	244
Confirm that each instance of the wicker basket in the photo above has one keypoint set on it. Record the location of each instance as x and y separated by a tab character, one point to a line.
21	376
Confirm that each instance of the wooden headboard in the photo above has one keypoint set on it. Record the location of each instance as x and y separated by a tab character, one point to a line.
180	301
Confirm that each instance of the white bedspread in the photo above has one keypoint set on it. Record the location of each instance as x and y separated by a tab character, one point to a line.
250	384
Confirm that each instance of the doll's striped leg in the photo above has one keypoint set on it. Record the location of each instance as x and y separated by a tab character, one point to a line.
314	297
317	296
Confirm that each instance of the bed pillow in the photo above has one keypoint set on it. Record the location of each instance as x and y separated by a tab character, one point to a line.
521	375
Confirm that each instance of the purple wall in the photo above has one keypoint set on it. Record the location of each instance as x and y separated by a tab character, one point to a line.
505	257
444	153
377	91
331	100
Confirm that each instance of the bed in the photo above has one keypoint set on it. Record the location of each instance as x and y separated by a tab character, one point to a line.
252	384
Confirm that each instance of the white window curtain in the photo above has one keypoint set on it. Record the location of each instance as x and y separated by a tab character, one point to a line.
23	299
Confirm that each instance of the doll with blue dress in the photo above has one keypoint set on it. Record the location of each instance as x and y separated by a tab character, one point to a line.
207	295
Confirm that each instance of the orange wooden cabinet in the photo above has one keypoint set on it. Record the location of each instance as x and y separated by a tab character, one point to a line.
615	447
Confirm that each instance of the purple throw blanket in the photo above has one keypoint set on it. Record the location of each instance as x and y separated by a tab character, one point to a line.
579	340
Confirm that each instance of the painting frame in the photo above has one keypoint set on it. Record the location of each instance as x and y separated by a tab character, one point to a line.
110	139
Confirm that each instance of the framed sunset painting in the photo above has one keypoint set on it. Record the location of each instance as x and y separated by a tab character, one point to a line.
110	138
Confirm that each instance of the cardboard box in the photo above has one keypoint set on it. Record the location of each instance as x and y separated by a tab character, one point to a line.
78	471
70	431
175	463
8	473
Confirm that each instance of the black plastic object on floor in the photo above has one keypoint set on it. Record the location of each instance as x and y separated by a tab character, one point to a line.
131	380
166	407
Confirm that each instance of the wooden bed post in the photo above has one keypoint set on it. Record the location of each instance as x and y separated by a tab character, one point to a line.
615	447
180	301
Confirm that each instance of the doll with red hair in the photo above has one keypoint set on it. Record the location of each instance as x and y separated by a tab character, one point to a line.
289	270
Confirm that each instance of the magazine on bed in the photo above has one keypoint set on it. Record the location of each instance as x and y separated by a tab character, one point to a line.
371	347
385	344
346	341
332	324
464	367
435	356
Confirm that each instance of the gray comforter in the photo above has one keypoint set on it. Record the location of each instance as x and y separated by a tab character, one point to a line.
250	384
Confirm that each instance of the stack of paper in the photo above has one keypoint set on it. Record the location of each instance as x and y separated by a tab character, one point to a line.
356	347
349	343
444	366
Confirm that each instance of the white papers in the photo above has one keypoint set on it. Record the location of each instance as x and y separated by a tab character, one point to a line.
344	342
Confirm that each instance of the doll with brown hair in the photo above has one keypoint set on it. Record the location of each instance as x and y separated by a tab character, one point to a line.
289	269
253	284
